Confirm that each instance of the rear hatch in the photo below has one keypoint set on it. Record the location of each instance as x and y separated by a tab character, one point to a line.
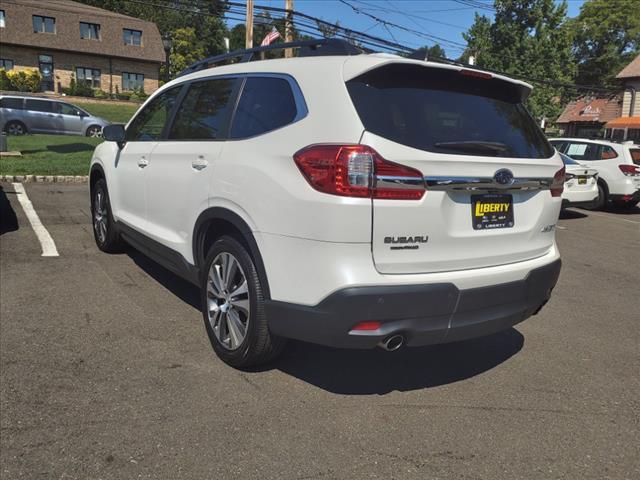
488	169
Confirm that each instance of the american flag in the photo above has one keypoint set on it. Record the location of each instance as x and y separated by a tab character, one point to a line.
271	36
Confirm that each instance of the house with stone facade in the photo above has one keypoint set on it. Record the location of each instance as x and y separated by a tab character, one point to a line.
62	38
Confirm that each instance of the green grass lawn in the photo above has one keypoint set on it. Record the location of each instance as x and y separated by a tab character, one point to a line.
116	113
49	155
61	154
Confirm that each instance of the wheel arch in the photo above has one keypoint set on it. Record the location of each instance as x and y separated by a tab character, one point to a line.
214	222
91	125
95	174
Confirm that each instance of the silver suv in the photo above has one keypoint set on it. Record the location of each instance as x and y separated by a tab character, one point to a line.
22	114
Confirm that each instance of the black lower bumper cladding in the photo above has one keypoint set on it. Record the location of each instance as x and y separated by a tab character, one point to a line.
423	314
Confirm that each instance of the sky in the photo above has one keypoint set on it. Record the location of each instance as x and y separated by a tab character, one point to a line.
446	19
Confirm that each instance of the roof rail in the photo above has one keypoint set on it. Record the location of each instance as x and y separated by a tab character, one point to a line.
308	48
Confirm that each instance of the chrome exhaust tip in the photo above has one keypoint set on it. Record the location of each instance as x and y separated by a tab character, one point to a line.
392	343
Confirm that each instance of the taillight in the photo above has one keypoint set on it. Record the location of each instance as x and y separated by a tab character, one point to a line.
358	171
557	186
630	170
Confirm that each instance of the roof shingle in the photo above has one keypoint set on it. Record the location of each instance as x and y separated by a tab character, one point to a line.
632	70
599	110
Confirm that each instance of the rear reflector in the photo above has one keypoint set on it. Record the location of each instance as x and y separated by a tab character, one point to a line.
367	326
557	186
358	171
630	170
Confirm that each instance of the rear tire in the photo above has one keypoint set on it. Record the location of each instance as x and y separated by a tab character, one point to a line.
105	231
15	127
599	202
233	307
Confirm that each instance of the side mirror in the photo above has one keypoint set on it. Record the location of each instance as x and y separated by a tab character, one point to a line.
82	114
114	133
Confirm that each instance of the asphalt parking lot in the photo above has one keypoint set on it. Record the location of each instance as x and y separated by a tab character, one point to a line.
106	372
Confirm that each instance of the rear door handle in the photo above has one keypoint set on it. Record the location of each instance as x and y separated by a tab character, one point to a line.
143	162
200	163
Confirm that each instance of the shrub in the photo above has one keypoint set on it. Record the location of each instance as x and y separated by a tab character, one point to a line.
138	94
97	93
5	83
25	80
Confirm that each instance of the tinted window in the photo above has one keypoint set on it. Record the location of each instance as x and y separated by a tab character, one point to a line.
265	104
149	123
66	109
635	155
203	111
607	152
39	105
582	151
445	111
15	103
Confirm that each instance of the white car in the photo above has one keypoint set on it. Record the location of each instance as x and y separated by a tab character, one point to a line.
347	199
616	163
581	184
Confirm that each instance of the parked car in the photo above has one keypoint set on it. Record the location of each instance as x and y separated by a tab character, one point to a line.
352	200
22	114
580	185
616	163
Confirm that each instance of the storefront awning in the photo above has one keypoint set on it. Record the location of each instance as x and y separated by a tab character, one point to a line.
623	122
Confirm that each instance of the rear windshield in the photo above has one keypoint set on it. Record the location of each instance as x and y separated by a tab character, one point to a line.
445	111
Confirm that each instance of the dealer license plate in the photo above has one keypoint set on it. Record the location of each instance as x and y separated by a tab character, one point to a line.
492	211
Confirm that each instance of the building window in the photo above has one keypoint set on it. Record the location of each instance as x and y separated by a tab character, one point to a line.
44	24
88	76
1	18
6	64
90	30
132	37
132	81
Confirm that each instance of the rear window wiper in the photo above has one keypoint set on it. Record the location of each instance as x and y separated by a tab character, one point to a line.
474	146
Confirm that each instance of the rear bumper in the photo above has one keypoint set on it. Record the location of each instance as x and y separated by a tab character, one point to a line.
632	197
423	314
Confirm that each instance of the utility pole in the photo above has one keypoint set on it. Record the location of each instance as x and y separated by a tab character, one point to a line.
288	28
249	25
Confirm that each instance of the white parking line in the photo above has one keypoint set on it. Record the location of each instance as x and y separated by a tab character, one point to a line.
48	245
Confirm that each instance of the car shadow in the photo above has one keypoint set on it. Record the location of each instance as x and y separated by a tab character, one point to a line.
182	289
624	211
377	372
367	372
71	148
566	214
8	218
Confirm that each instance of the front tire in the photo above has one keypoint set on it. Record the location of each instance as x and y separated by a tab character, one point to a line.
233	307
105	231
94	131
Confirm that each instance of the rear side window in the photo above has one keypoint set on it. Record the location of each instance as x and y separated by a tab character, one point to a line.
607	153
39	105
558	145
149	123
266	104
15	103
635	155
445	111
203	112
583	151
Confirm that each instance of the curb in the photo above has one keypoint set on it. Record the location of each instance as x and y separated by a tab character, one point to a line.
45	178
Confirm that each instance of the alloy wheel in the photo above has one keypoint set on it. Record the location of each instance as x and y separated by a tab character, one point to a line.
228	305
15	129
95	132
100	216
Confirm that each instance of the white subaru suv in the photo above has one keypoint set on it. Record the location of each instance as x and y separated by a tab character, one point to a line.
617	164
351	200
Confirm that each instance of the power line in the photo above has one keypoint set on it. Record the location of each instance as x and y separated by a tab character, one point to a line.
370	40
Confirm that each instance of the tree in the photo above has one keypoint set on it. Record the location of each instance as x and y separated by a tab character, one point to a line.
607	39
529	38
187	49
433	53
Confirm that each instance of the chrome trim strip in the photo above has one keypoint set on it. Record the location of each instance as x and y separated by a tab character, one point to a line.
408	183
485	183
